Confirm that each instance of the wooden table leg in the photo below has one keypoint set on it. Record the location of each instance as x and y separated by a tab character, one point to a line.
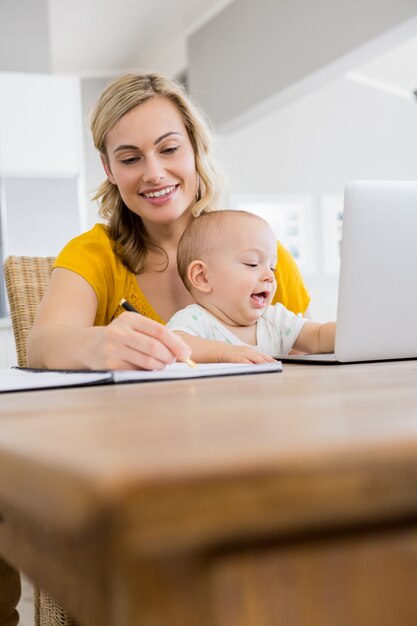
9	594
160	592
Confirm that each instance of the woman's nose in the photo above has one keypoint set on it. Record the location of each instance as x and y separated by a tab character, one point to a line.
153	171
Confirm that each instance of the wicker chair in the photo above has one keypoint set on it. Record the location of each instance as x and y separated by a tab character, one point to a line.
26	279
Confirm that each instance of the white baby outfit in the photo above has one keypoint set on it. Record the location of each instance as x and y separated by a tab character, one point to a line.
276	330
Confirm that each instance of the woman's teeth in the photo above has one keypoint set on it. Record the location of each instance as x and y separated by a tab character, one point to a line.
161	192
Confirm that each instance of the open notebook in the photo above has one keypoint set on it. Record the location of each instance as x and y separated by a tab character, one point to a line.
377	299
22	379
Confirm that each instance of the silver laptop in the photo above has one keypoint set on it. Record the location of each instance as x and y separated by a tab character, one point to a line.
377	300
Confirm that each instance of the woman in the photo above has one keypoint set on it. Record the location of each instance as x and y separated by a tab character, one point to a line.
156	152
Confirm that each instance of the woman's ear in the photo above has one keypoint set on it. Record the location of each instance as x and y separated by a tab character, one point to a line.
107	169
197	275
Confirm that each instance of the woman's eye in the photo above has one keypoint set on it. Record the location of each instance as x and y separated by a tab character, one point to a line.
129	160
170	150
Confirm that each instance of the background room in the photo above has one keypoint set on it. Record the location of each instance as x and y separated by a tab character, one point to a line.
303	95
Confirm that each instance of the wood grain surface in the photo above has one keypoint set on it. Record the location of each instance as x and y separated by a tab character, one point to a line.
187	483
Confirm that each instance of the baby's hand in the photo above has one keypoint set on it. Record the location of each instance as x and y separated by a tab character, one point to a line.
242	354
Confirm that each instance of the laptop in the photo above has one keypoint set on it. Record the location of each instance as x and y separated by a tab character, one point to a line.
377	298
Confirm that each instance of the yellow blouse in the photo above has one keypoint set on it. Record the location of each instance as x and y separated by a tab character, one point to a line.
92	256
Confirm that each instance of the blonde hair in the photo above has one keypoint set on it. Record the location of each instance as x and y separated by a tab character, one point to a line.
201	237
120	96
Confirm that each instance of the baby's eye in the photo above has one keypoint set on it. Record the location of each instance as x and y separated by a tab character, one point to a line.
251	264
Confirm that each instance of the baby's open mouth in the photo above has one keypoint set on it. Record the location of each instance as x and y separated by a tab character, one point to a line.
260	298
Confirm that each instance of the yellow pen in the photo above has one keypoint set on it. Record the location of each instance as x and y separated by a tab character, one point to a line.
128	307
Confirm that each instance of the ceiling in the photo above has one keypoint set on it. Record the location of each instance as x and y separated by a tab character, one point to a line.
105	37
395	71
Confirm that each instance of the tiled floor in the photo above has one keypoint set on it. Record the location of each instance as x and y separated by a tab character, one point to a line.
25	606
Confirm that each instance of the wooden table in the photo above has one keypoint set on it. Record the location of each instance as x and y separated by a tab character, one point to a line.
266	500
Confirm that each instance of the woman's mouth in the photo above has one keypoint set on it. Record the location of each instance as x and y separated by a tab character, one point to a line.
160	196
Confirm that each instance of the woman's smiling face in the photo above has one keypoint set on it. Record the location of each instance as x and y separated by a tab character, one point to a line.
151	160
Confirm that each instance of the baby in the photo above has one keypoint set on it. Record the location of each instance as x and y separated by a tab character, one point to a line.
227	260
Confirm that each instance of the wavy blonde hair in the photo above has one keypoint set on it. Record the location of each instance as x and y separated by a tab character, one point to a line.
120	96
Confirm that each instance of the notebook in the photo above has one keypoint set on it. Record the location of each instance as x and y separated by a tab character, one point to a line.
25	379
377	298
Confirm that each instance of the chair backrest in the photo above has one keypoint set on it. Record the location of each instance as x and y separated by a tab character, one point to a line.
26	279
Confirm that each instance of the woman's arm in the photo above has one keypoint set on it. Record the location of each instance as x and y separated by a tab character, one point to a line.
64	336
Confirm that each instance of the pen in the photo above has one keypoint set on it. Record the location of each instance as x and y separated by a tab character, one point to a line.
128	307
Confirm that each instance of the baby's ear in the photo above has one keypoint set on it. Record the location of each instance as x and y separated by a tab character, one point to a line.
197	275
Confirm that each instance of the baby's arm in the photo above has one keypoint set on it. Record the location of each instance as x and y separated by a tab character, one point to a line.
212	351
315	338
194	328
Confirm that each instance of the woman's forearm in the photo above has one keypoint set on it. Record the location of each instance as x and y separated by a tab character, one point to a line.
130	341
62	347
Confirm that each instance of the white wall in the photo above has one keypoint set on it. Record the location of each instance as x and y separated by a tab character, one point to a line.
341	132
8	356
41	162
91	88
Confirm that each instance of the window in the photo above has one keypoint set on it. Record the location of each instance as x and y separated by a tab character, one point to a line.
291	219
331	224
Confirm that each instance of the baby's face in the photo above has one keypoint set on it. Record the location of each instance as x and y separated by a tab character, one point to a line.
241	273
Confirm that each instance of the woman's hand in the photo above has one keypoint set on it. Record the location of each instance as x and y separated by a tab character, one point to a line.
64	336
132	341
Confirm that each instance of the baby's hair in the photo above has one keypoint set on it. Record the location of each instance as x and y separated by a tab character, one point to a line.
200	238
